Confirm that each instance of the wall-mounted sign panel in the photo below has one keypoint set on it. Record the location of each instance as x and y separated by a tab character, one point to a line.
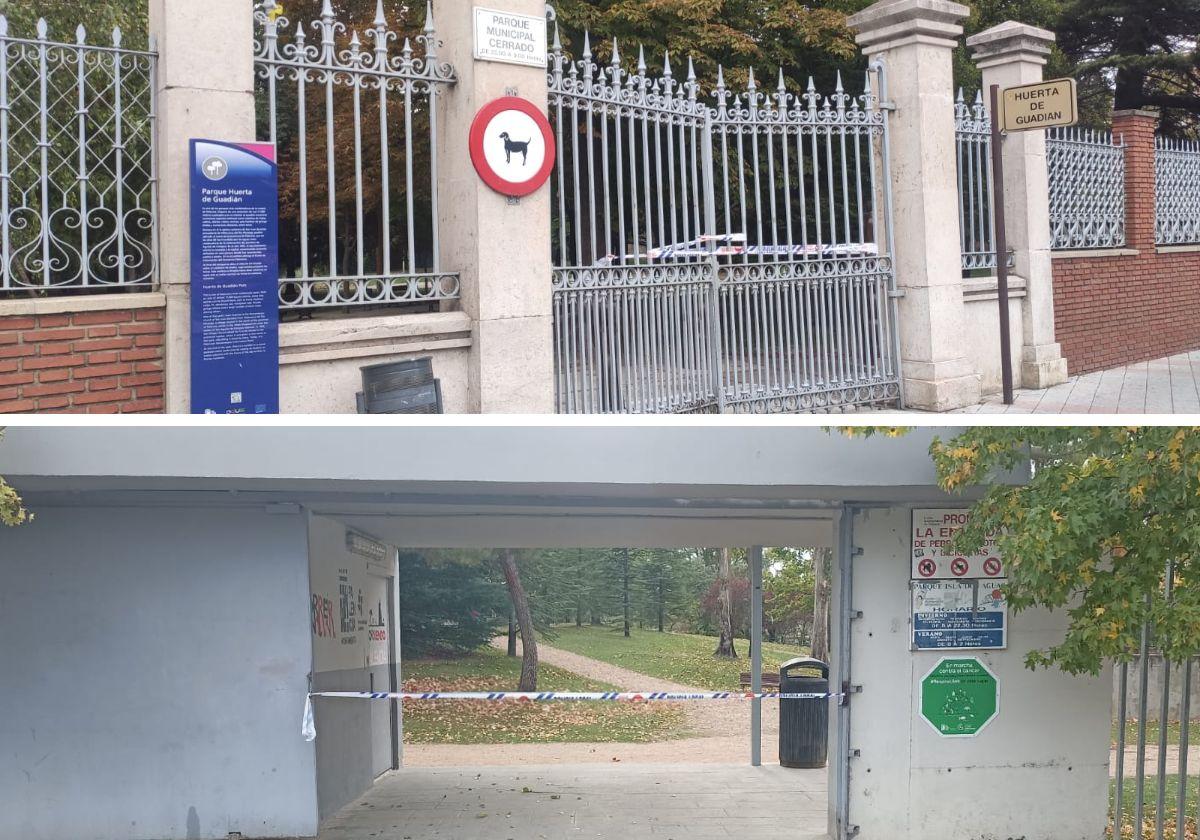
510	38
959	697
1040	105
932	557
235	278
959	614
512	146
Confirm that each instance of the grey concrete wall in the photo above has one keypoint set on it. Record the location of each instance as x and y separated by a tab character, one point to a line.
1048	745
154	666
350	739
1154	690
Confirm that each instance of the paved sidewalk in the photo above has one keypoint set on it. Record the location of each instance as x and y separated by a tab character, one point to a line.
659	802
1162	386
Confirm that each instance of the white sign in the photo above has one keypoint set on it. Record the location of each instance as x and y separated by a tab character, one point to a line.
932	557
514	147
959	614
1039	105
511	38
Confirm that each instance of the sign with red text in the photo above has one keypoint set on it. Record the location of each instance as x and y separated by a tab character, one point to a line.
933	529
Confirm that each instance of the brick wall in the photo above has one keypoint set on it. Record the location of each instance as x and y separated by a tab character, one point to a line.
94	361
1120	308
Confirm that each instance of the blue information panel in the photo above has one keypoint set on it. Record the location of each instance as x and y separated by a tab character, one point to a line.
235	276
949	614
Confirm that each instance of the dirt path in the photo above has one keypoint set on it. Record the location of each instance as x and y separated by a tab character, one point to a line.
1151	763
719	730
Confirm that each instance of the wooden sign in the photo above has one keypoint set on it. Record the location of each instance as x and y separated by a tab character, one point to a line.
1040	105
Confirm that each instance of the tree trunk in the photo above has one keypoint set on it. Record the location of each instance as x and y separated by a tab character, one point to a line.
820	626
579	613
625	587
660	601
512	634
520	602
725	649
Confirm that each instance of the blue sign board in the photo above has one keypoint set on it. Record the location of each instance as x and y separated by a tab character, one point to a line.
959	614
235	276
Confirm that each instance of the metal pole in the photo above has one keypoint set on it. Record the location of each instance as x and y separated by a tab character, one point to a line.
1001	246
845	572
756	615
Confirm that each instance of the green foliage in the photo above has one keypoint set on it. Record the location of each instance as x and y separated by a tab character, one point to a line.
1092	531
12	509
788	593
680	657
448	604
471	722
63	16
800	38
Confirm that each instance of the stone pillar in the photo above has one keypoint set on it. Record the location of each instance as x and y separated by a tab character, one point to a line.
1137	129
197	97
914	39
1013	54
500	247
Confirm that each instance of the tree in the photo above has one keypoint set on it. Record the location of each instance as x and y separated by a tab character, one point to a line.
12	508
507	559
1143	50
63	16
1107	528
450	603
800	38
822	560
725	648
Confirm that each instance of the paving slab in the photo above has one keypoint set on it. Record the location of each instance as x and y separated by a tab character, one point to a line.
1169	385
680	801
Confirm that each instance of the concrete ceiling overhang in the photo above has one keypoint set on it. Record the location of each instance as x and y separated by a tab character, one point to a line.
469	486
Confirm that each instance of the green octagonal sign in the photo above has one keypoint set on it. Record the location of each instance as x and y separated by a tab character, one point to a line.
959	697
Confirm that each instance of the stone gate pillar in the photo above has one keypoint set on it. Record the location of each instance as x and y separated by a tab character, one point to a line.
914	39
1013	54
197	97
500	246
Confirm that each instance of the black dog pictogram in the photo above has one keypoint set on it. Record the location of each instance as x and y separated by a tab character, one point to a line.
511	146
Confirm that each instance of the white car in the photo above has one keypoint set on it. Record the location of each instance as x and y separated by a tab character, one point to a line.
734	245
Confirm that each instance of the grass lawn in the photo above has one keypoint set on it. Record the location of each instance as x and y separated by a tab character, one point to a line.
679	657
1171	790
1152	732
482	722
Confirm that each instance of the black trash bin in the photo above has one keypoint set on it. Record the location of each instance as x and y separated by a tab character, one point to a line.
804	723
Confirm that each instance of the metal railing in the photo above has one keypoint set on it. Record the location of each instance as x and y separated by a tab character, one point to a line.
1177	191
338	108
1086	171
1151	779
720	252
976	221
78	186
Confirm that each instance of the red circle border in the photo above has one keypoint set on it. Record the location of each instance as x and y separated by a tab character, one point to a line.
490	177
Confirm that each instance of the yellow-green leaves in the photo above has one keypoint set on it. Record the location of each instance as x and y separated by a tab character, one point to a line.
12	509
1091	532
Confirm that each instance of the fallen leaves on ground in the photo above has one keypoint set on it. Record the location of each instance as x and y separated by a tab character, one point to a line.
512	721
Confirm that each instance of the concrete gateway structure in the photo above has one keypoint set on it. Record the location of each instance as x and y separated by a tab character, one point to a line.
697	248
178	594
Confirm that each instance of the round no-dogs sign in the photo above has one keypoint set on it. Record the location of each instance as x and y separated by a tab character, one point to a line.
512	146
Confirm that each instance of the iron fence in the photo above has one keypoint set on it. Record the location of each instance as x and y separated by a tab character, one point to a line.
337	107
78	185
1177	203
976	220
717	252
1151	777
1086	171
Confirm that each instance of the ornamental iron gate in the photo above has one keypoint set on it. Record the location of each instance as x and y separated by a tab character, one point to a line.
729	254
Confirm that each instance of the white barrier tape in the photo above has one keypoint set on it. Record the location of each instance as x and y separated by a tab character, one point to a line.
309	730
542	696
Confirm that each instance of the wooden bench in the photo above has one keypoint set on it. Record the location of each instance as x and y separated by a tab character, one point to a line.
769	680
